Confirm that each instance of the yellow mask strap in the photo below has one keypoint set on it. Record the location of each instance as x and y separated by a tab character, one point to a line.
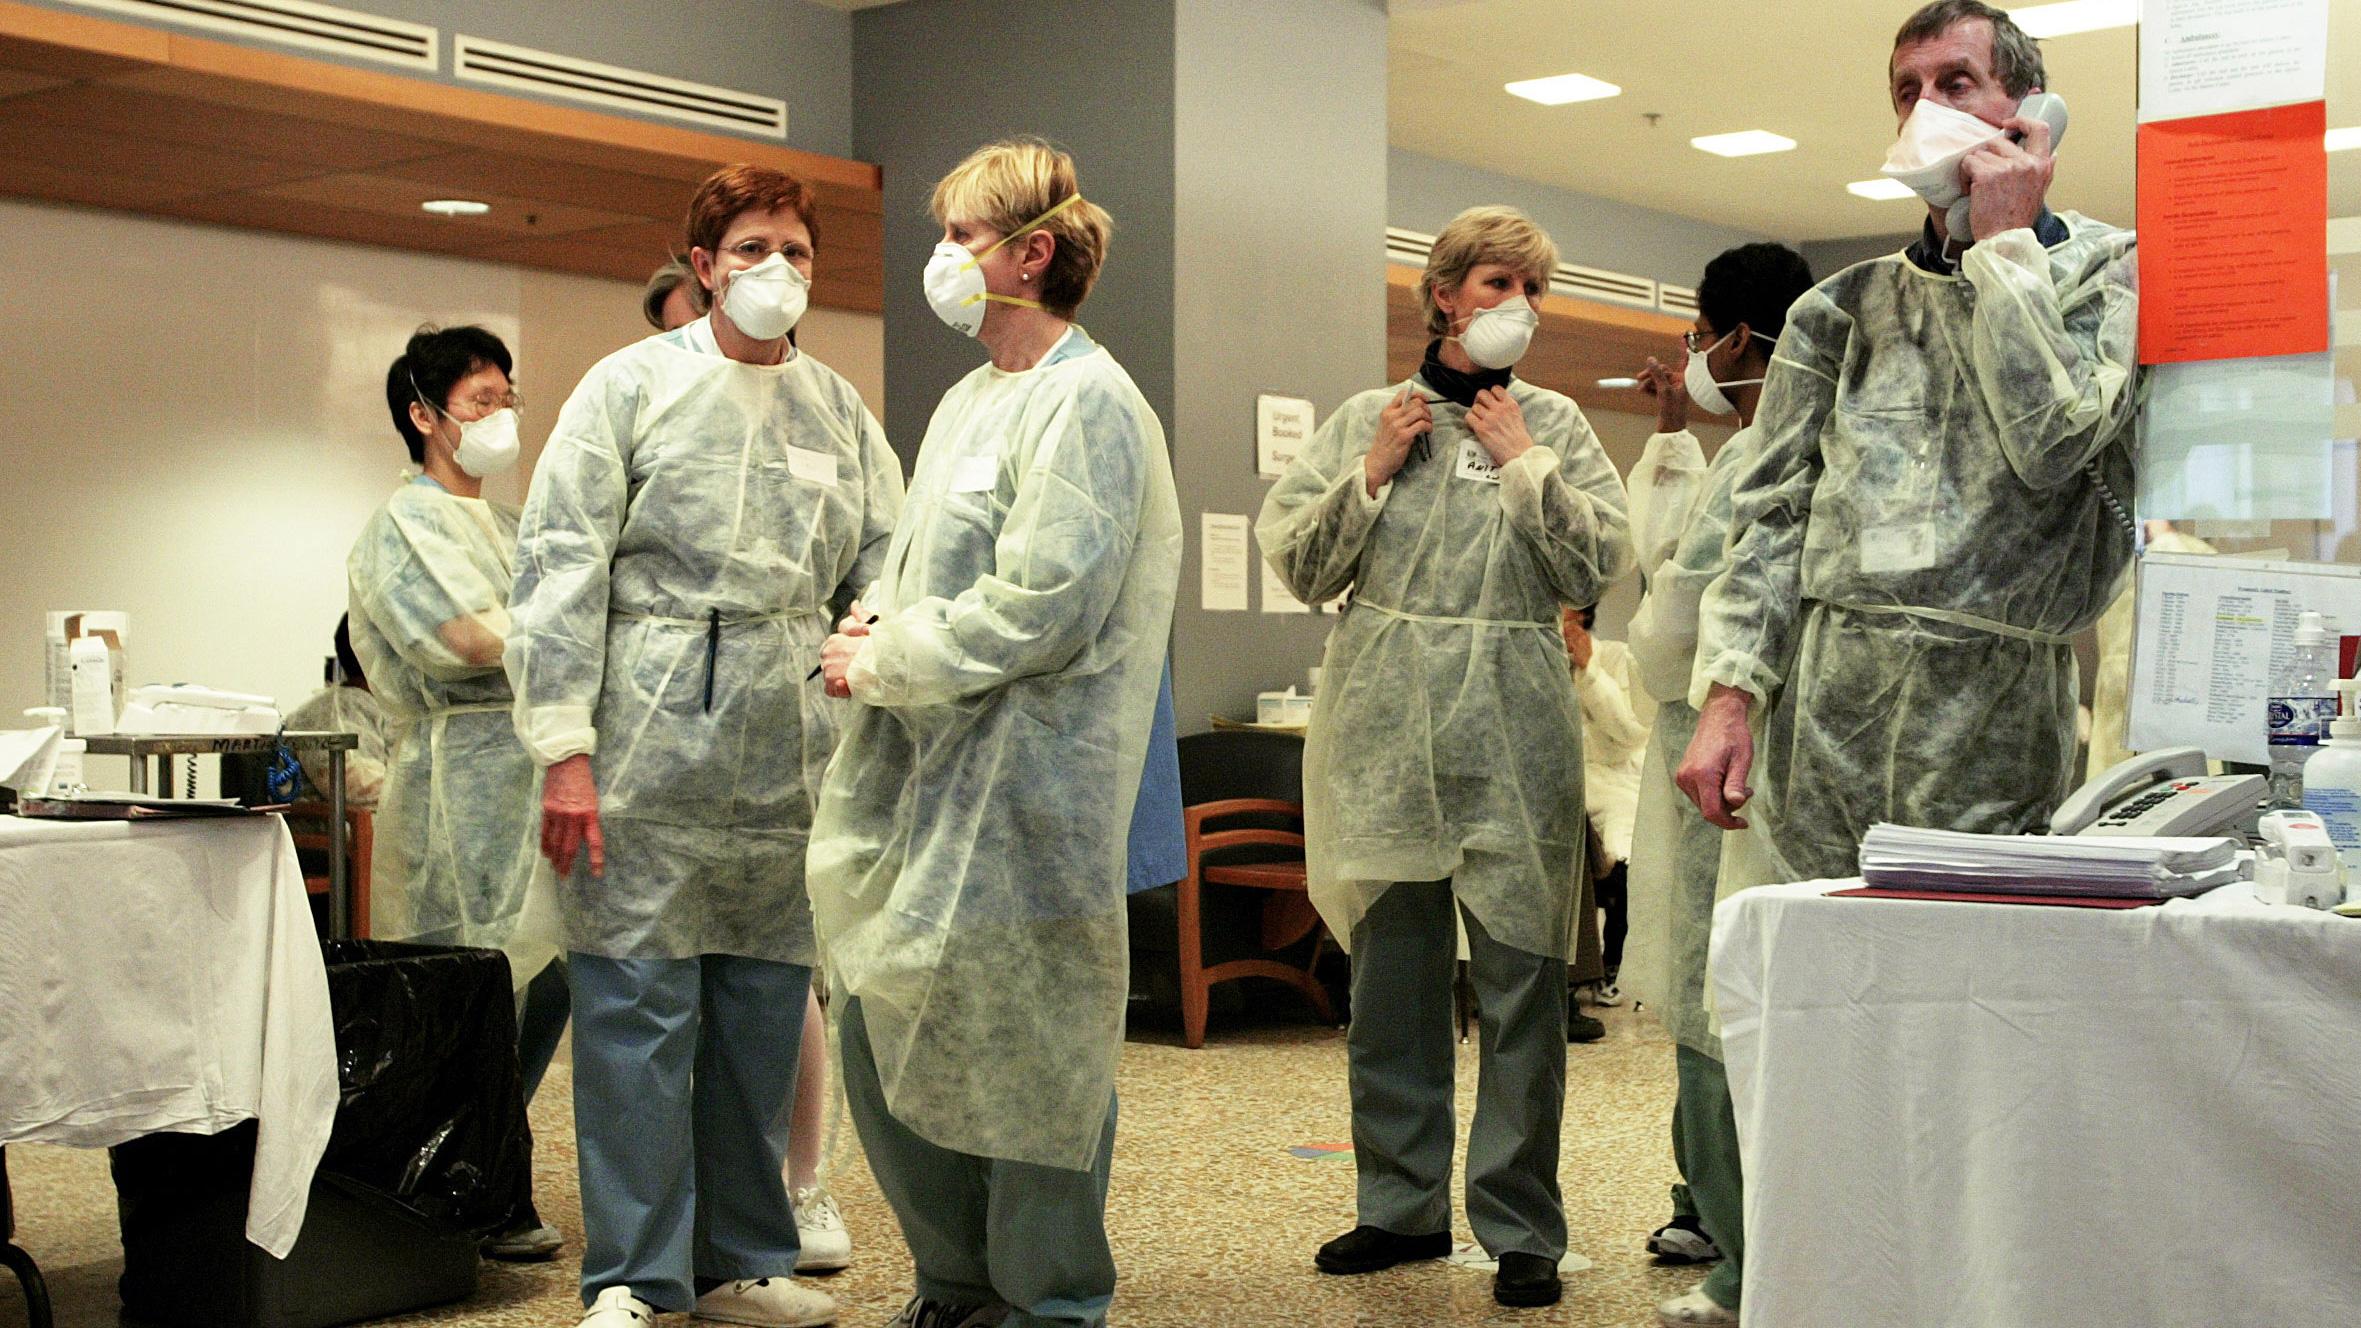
1034	224
989	297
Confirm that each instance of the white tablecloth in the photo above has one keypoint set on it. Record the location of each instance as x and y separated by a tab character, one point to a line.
165	976
2016	1117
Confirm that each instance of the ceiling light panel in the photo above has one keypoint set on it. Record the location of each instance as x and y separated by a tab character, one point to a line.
1562	89
1744	143
2073	16
1881	189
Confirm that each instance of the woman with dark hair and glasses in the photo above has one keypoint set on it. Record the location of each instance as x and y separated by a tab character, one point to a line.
428	617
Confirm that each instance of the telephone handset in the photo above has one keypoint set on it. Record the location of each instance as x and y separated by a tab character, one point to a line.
2047	107
2163	793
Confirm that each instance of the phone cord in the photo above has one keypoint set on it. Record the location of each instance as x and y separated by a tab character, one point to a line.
2114	504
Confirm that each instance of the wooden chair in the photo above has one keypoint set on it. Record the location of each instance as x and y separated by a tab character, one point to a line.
1287	915
307	825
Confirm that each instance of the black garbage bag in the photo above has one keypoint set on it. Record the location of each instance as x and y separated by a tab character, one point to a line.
432	1113
429	1154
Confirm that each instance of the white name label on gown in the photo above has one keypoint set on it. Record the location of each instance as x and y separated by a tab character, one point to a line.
812	467
1904	548
975	474
1476	464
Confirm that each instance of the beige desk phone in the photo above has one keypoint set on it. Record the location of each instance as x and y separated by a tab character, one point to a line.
2163	793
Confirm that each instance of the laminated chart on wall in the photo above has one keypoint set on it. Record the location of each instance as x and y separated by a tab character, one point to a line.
2212	633
2236	297
2240	440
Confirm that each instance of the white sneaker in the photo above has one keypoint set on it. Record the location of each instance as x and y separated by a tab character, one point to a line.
1692	1310
767	1302
1608	995
616	1307
827	1246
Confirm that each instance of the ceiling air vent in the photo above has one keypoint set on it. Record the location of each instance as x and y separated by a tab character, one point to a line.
1407	247
293	23
1676	300
1590	283
481	61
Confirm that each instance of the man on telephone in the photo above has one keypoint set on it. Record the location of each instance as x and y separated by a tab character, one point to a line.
1936	502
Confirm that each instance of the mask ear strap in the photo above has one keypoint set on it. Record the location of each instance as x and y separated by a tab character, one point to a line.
421	395
990	297
1035	224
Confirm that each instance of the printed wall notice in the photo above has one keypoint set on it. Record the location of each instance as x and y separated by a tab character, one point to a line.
2202	57
1276	597
1282	425
2234	235
1222	555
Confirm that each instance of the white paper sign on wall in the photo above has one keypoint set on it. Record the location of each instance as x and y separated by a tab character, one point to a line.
1282	425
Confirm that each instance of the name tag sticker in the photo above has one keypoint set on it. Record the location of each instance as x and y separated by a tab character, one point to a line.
1908	548
1476	464
975	474
812	467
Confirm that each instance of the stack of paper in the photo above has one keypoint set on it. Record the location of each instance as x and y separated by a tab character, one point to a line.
1900	857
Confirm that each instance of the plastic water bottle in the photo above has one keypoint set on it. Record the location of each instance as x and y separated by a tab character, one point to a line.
2301	706
2332	784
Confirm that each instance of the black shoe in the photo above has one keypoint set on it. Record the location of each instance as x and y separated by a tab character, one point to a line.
1525	1280
1367	1249
1582	1028
1683	1241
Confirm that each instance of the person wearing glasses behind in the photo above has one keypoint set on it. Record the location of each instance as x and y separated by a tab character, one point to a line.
427	614
968	862
708	496
1443	767
1680	519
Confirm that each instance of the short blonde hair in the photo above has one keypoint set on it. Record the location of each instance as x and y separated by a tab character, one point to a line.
1011	184
1477	236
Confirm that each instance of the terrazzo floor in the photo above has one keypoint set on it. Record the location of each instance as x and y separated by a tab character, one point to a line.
1214	1214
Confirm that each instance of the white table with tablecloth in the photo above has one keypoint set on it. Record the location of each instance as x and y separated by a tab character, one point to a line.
165	976
2008	1116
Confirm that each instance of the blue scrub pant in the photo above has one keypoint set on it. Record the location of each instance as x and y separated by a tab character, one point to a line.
684	1073
986	1231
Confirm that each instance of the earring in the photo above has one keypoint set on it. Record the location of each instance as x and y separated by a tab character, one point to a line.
1026	276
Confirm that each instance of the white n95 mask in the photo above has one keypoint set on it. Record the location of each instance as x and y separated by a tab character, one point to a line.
1497	337
1934	140
1698	379
955	278
488	446
955	288
766	301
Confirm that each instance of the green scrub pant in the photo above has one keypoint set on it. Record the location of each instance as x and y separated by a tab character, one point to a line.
986	1231
1399	1053
1705	1145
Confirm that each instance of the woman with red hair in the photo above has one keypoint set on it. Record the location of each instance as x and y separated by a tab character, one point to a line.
708	495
